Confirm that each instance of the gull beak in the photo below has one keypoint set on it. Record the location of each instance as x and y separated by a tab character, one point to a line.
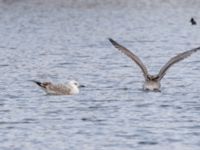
82	86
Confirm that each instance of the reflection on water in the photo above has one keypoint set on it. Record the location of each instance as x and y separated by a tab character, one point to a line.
59	41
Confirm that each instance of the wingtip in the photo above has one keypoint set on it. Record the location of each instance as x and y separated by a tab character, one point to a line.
36	82
195	49
110	39
198	48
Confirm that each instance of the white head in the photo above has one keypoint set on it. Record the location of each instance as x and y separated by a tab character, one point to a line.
74	86
74	83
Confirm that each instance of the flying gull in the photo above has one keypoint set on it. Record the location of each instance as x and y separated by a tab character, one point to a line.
152	82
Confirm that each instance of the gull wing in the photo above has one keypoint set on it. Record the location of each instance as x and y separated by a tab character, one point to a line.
59	88
130	55
41	84
174	60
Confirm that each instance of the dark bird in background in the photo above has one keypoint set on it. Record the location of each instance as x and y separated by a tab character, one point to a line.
193	22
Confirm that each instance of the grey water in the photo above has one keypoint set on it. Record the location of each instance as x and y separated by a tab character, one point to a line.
62	40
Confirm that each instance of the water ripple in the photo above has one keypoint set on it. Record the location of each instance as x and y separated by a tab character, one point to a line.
63	40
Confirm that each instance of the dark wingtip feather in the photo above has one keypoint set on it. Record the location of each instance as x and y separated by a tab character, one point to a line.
114	43
36	82
111	40
196	49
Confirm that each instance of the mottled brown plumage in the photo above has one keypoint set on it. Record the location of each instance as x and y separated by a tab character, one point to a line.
59	89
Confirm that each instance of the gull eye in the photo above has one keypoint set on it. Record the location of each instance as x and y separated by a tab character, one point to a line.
75	83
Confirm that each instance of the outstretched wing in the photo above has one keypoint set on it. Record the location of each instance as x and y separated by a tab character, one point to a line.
131	55
174	60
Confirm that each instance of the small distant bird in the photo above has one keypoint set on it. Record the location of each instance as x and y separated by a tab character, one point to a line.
71	88
152	82
193	22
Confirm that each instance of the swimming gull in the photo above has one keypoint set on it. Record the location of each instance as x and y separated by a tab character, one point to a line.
71	88
152	82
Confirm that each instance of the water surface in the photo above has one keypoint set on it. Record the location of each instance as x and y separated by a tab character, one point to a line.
59	41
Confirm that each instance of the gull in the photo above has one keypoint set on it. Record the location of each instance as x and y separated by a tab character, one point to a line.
152	82
71	88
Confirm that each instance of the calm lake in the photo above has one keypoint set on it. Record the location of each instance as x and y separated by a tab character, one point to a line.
63	40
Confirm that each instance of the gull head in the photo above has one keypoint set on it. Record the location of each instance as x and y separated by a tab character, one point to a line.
74	83
152	77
